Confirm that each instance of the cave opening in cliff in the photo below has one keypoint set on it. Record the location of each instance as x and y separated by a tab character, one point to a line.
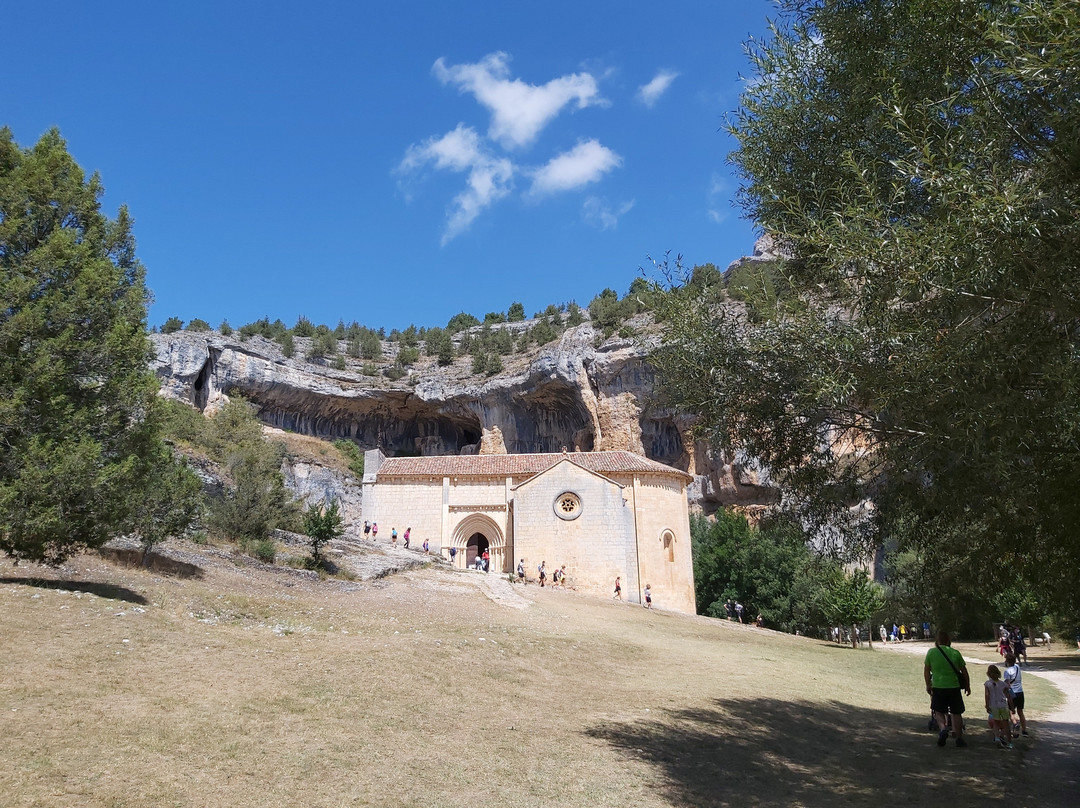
201	387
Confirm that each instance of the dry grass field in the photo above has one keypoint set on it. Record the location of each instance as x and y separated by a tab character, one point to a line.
220	684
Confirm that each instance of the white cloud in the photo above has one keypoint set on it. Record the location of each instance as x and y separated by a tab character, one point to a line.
716	197
599	213
587	162
649	94
490	177
519	111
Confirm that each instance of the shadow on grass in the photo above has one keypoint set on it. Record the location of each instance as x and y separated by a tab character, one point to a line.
154	562
772	752
102	590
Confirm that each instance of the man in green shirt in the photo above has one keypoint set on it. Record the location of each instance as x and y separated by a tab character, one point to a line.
946	674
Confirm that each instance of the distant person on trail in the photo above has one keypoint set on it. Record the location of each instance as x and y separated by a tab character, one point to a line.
487	561
1014	681
521	572
562	577
946	674
542	569
903	632
1019	649
926	630
618	588
739	611
895	633
374	531
729	607
648	597
882	633
453	555
408	530
426	548
367	528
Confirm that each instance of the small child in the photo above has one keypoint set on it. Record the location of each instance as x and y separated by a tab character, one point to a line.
998	699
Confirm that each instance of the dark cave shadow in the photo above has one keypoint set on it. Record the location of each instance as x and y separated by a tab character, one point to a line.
757	752
154	562
102	590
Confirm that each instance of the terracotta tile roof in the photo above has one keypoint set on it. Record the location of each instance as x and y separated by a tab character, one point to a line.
517	465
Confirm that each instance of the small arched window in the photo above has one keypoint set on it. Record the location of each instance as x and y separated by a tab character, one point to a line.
668	538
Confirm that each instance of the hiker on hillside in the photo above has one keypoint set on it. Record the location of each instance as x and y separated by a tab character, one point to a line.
542	569
408	530
739	611
487	561
426	547
618	588
393	536
374	531
648	597
946	674
521	572
367	528
453	555
562	577
729	608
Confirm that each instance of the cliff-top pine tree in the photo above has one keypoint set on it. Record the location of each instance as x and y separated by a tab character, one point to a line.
79	435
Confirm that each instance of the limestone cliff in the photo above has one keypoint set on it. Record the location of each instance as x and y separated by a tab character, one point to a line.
578	392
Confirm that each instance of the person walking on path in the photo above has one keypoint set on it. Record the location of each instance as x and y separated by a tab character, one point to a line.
487	561
408	530
393	536
1015	683
521	572
562	577
648	597
542	569
618	588
946	674
998	699
367	528
426	547
453	555
729	608
739	611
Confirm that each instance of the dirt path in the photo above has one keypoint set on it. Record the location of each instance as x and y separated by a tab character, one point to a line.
1054	751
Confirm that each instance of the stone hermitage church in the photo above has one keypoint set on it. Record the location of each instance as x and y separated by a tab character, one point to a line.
602	514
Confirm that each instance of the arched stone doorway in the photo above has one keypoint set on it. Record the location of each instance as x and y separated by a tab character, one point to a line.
475	546
474	534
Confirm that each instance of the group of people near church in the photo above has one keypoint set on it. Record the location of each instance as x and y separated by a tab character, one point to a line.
945	674
371	530
558	577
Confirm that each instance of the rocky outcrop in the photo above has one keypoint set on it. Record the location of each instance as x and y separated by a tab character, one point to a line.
571	394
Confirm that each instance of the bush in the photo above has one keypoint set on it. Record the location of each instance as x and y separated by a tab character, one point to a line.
353	456
516	313
264	550
461	321
406	356
172	325
225	328
321	526
339	362
395	372
288	348
198	325
370	369
303	327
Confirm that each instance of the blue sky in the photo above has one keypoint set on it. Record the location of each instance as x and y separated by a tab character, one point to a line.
392	163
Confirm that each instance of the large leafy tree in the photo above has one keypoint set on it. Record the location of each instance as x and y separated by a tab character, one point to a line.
919	164
80	454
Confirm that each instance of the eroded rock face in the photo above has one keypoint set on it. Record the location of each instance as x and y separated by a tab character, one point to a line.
568	394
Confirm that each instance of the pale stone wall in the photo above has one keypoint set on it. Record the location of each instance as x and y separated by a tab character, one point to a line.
402	504
595	547
661	510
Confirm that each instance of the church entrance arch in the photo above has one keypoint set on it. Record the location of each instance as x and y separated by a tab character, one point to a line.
475	534
475	546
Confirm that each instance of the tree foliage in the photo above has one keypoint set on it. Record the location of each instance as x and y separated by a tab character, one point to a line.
322	525
80	447
769	569
919	163
852	599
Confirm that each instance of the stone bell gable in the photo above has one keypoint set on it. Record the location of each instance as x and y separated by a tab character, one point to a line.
601	514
